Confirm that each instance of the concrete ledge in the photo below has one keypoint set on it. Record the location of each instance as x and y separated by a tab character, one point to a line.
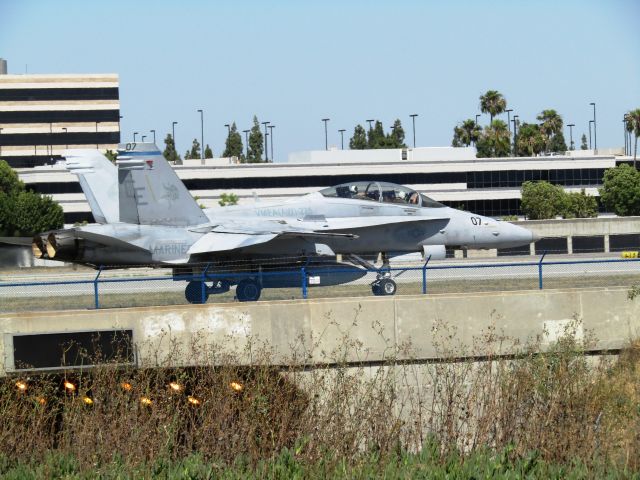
352	330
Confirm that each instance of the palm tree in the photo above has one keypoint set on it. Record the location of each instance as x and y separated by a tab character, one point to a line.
551	124
495	141
634	119
466	134
492	103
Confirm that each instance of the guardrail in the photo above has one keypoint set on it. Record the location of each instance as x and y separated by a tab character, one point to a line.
102	291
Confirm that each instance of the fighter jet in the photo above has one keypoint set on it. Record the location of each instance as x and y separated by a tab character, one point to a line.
159	224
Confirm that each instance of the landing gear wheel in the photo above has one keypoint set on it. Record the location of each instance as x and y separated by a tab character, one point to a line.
385	286
248	290
193	292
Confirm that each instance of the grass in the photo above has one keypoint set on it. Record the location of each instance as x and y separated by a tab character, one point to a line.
552	413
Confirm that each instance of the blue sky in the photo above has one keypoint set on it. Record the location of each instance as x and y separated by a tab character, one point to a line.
294	63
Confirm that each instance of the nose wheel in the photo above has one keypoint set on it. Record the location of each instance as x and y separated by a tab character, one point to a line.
384	286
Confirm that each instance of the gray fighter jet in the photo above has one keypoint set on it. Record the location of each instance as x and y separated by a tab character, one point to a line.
159	224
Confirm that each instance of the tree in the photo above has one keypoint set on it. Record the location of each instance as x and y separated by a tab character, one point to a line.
492	103
111	155
494	141
233	146
620	190
208	153
23	212
359	139
396	137
466	134
195	149
228	199
170	153
376	136
551	125
256	143
530	140
579	205
558	144
583	142
633	118
542	200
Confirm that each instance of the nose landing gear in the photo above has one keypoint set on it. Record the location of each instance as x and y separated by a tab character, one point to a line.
384	286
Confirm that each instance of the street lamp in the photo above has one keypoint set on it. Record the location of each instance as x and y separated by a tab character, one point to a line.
370	122
266	151
590	122
201	135
478	115
228	128
571	125
246	141
342	137
624	128
154	135
413	118
173	135
143	137
515	135
595	136
65	136
134	136
509	119
271	127
326	144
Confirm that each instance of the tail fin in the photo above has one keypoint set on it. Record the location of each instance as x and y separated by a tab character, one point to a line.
98	179
150	191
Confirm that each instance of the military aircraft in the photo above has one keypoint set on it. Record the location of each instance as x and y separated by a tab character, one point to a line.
158	223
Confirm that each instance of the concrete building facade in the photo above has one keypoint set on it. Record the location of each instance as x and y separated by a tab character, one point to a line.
42	115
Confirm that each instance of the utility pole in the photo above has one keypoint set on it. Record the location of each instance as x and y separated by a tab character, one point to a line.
342	137
266	146
413	118
201	136
326	144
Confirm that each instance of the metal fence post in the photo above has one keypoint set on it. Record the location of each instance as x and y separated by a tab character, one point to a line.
303	272
424	275
540	270
95	289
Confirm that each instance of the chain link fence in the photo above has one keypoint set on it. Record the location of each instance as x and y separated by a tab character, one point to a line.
115	288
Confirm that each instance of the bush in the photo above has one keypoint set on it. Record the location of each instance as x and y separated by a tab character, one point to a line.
542	200
620	191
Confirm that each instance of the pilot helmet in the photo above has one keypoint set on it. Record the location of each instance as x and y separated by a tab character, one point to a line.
353	188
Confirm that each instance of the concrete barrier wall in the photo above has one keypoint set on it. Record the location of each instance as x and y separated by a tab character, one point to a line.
329	331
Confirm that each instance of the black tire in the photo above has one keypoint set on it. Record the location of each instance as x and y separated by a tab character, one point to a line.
193	293
375	288
388	287
248	290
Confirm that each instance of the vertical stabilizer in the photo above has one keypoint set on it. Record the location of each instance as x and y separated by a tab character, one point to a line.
98	179
150	192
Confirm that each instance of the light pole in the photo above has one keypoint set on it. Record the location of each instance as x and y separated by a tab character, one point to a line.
413	118
201	135
271	127
595	135
65	136
342	137
154	135
571	125
173	135
246	141
590	122
370	122
228	128
515	135
478	115
326	144
266	151
134	136
624	128
142	138
509	118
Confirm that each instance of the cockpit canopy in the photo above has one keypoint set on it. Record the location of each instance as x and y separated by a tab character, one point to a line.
380	192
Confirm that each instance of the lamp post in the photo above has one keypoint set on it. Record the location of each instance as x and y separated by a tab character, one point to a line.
173	135
201	135
142	138
154	135
595	135
478	115
271	127
515	135
342	137
266	151
571	125
65	136
509	118
624	129
326	144
134	136
246	141
590	122
228	128
413	118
